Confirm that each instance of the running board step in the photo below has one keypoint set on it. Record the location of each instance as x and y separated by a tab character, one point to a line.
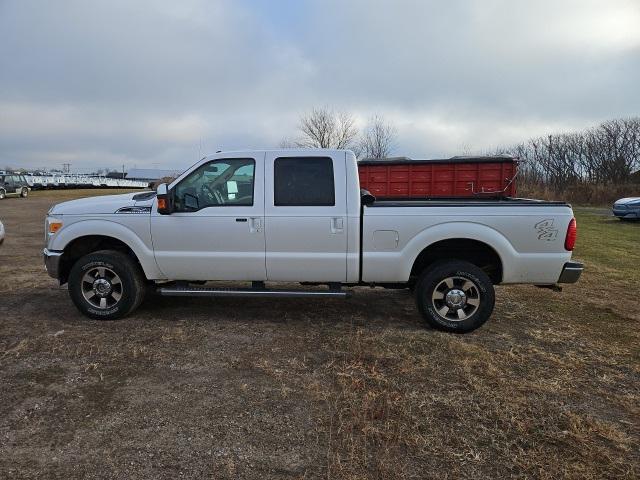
239	292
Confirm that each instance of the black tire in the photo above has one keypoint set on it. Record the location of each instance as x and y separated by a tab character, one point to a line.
24	193
448	278
3	194
130	285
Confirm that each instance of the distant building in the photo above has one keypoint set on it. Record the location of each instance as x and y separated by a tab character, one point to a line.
150	174
118	175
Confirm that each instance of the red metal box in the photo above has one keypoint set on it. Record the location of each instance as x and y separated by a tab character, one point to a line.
399	178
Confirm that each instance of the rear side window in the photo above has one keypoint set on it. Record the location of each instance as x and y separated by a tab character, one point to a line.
303	181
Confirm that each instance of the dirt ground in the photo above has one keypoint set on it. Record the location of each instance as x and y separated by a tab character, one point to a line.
353	389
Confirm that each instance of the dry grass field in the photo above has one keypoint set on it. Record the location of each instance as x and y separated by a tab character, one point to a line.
222	388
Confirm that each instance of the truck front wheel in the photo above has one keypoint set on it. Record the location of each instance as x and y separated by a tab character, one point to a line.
455	296
106	285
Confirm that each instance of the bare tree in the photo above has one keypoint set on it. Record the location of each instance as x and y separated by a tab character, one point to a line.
378	139
286	143
324	128
606	154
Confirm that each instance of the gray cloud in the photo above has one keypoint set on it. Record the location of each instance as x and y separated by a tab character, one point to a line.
104	83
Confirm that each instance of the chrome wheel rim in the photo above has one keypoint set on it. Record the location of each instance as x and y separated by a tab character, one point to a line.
101	288
456	298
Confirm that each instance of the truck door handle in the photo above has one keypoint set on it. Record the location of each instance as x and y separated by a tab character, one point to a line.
241	219
337	225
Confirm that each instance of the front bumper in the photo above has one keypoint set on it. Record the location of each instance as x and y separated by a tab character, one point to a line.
626	213
571	272
52	262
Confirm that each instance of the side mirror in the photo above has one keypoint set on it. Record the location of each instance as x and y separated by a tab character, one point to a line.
164	200
366	198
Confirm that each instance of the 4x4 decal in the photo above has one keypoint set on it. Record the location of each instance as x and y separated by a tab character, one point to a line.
546	230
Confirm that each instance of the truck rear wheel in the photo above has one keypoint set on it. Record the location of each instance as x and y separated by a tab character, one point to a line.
455	296
106	285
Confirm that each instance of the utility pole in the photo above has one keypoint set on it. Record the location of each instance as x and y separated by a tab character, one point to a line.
123	170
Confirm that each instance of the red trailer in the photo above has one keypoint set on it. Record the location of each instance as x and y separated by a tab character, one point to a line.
397	178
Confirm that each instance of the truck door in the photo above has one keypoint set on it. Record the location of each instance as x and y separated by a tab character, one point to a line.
306	217
216	231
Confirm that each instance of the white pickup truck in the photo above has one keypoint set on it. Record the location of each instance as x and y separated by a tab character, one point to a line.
300	216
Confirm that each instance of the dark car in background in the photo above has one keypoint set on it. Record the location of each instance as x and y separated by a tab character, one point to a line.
13	184
627	208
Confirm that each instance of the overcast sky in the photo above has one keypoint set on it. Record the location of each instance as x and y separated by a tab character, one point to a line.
157	83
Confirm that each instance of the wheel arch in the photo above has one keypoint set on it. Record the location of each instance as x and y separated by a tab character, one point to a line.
81	246
470	250
88	236
460	240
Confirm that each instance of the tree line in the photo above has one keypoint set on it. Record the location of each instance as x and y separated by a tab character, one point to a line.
606	154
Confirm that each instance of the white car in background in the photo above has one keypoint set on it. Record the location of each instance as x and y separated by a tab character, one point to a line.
1	233
627	208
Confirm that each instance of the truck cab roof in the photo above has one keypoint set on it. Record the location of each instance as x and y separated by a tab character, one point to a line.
305	152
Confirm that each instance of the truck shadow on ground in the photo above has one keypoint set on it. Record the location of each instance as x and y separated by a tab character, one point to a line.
365	307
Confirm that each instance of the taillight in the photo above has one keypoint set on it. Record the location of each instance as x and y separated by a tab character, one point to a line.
572	234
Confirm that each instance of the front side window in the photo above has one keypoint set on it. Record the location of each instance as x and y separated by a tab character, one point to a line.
304	181
218	183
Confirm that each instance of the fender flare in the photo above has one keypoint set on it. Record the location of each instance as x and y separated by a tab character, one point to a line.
459	230
111	229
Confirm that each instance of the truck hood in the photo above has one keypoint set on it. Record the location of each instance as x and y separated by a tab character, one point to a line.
105	204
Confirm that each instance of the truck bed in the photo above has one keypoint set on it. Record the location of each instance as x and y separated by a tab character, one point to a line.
527	234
